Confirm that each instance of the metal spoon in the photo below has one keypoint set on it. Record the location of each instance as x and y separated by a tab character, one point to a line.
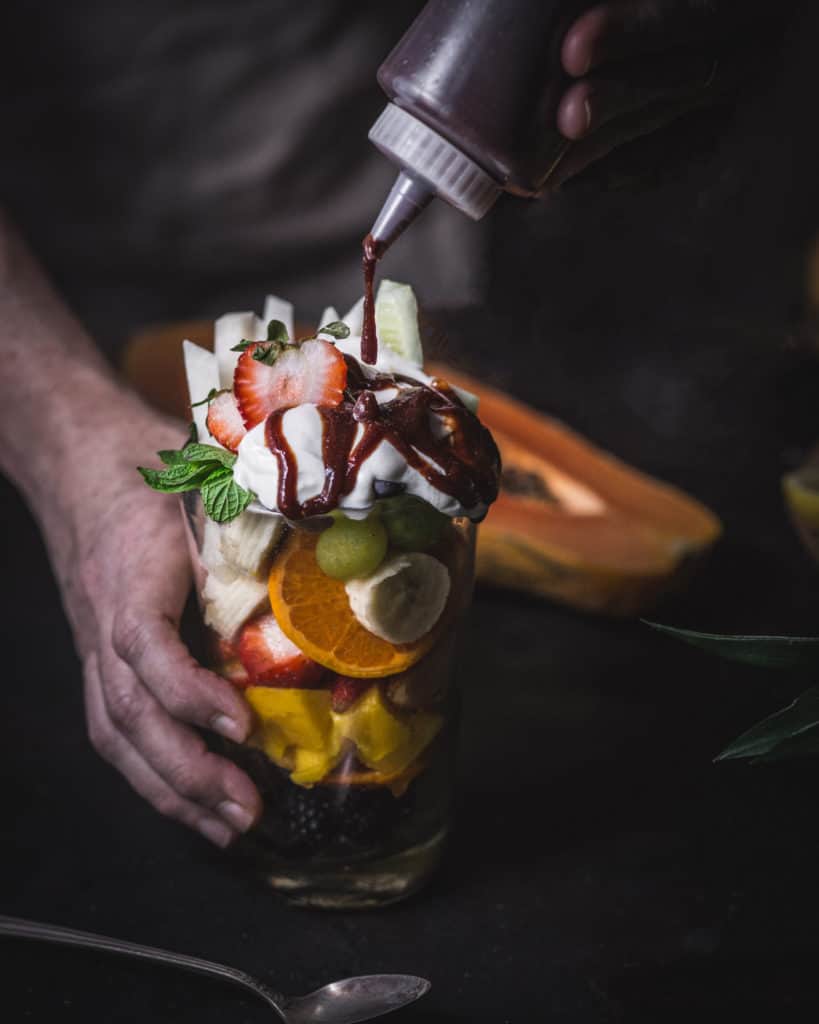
341	1002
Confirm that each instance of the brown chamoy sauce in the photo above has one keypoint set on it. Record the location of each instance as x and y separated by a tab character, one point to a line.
463	464
373	251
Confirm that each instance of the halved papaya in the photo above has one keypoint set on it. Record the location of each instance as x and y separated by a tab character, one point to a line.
573	522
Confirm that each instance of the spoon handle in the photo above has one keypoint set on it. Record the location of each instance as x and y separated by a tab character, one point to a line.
19	928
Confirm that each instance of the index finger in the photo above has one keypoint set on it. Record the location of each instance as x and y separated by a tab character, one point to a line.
150	644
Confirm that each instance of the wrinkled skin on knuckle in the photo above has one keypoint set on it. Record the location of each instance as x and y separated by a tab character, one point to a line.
124	702
129	634
180	703
184	778
168	804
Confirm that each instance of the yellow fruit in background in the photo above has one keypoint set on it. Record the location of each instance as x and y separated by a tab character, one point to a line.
801	492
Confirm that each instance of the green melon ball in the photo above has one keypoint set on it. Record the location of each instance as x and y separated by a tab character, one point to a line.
412	524
351	547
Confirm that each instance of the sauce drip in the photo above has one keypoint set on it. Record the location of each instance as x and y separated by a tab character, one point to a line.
373	251
463	462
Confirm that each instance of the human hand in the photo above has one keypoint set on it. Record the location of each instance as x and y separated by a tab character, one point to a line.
640	64
125	578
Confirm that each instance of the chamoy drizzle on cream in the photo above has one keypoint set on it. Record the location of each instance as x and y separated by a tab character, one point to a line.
460	460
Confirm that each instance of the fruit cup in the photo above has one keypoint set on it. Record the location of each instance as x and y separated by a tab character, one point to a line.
340	633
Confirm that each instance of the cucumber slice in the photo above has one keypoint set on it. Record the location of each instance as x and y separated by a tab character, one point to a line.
396	321
354	317
228	331
202	372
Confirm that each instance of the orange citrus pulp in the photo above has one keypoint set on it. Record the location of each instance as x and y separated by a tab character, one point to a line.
314	612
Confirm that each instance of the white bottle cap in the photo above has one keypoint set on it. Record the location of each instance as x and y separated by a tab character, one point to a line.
433	161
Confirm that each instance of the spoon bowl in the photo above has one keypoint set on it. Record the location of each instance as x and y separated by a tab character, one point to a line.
355	999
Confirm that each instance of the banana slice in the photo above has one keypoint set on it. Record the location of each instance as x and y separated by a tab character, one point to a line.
248	540
403	599
228	603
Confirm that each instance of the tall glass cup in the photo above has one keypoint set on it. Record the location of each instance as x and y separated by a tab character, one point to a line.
355	770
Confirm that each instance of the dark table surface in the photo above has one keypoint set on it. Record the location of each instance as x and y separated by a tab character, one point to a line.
602	868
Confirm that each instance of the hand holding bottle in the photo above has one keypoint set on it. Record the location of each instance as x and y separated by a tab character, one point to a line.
638	65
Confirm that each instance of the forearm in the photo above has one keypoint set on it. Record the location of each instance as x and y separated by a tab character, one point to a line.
62	407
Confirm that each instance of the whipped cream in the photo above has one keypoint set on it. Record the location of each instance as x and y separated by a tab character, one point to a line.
257	468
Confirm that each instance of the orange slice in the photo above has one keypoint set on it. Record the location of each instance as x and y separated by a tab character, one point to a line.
314	612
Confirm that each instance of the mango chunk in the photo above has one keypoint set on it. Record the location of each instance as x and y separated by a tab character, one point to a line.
292	717
312	765
385	742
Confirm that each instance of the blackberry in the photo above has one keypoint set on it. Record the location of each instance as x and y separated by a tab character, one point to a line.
369	815
309	818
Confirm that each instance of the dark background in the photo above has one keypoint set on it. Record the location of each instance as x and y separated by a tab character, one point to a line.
603	868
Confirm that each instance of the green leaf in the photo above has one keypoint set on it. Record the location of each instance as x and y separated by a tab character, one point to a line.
276	331
242	345
268	354
222	497
171	458
791	732
205	401
176	478
208	453
783	652
193	433
337	329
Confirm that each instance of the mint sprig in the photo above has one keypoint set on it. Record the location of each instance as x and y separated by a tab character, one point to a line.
205	468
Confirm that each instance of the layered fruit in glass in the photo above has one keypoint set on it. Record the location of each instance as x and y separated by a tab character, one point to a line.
331	505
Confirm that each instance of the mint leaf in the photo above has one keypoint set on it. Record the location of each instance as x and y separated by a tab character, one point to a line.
176	478
205	401
791	732
783	652
337	329
222	497
171	458
208	453
193	433
276	331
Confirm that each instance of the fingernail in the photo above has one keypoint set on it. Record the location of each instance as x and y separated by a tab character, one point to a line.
587	109
238	816
216	831
228	727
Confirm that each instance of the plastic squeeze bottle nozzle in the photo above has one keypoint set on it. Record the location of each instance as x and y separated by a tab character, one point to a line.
473	88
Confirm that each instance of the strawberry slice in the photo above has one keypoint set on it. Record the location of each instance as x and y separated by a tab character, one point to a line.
313	372
345	691
271	659
224	420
